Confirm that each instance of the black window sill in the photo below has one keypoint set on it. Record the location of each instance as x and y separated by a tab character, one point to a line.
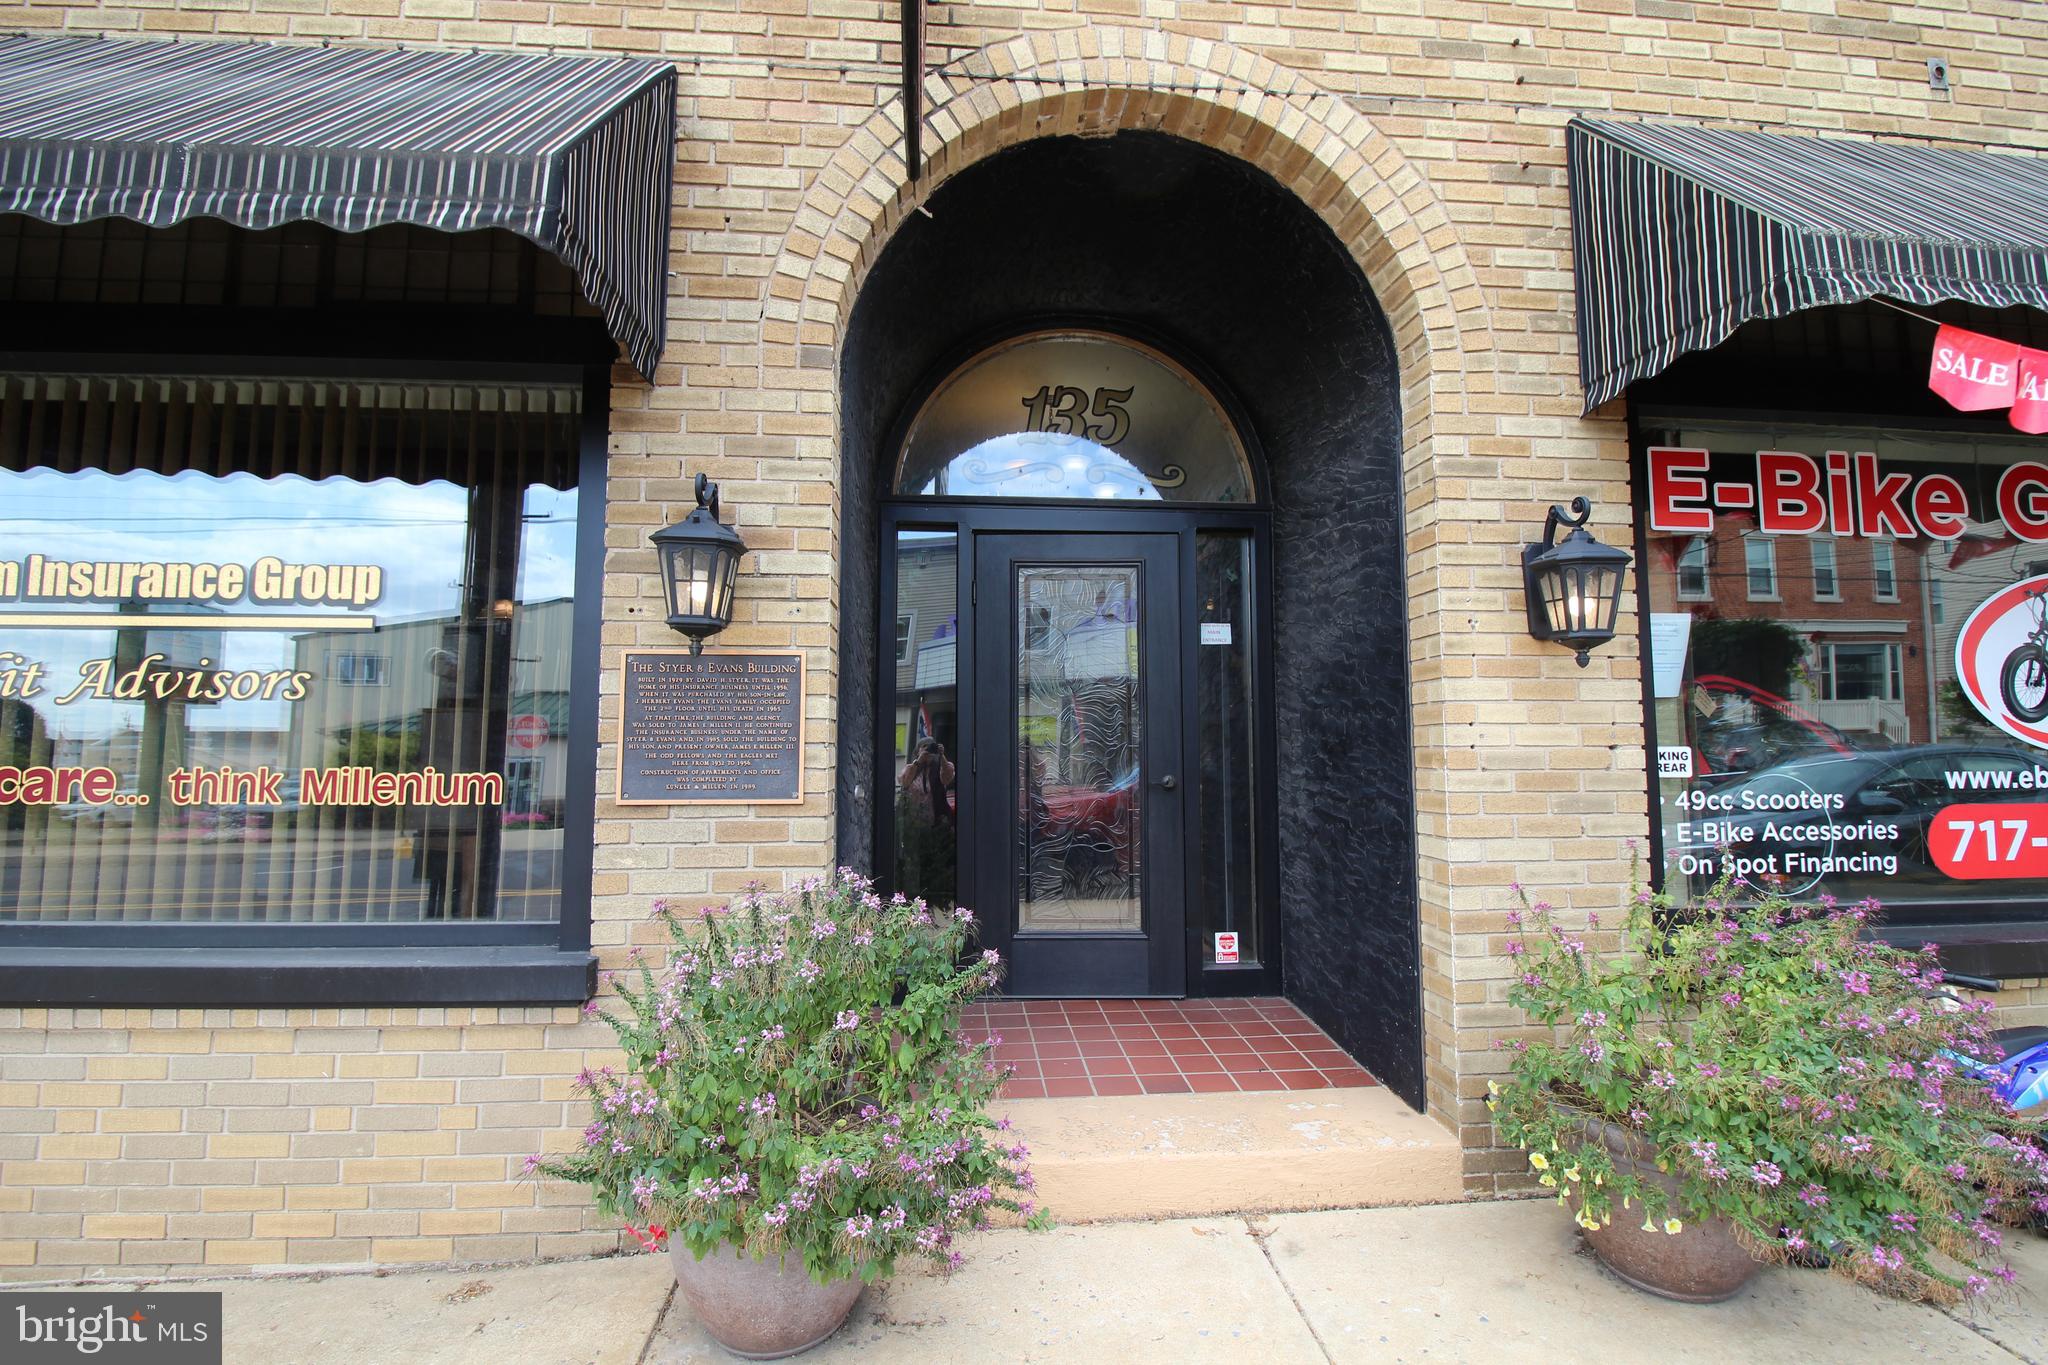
1998	951
201	977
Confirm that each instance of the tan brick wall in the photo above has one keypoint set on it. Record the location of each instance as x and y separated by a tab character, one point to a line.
1428	135
2022	1003
193	1140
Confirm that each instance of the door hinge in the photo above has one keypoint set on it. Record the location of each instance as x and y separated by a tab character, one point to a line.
973	592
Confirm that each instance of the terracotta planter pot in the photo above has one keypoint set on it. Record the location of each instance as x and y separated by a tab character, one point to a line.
760	1310
1703	1264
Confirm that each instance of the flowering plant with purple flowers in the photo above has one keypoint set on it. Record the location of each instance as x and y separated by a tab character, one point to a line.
1785	1072
794	1084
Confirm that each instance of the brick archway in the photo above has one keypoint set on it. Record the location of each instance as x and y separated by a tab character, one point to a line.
1105	80
1111	79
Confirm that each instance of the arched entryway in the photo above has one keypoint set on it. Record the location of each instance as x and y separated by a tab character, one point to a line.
1209	263
1075	567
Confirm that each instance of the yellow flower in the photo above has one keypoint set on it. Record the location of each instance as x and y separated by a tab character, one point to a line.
1492	1105
1648	1226
1547	1181
1539	1161
1571	1173
1493	1087
1599	1179
1672	1227
1588	1222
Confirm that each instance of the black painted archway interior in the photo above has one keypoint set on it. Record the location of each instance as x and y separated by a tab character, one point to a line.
1227	268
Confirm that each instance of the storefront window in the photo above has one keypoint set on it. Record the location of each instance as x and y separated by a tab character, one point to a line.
284	651
1850	730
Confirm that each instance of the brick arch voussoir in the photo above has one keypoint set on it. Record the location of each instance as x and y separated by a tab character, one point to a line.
1103	80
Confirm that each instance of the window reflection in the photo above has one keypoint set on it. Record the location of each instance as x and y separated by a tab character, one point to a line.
1079	733
1823	708
373	728
927	715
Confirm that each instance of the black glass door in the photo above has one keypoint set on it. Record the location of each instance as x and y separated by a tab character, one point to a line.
1080	802
1041	672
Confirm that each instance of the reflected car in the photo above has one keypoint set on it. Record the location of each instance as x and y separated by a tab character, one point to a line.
1091	821
257	819
1730	747
86	813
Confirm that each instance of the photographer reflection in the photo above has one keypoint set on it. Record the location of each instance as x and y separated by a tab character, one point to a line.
925	823
928	780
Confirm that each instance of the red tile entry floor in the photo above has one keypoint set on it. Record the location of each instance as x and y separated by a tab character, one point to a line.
1070	1048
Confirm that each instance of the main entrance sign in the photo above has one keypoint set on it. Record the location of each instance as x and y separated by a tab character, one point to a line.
1074	414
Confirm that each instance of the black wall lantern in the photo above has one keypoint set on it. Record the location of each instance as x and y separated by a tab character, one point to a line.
700	558
1573	589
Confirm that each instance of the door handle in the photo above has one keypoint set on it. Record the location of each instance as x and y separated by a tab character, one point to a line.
1169	782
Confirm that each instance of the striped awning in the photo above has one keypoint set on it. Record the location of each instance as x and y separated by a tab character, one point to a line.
1681	234
573	153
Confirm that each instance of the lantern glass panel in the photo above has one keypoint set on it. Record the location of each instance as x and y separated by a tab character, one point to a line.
1553	598
703	562
1585	602
671	571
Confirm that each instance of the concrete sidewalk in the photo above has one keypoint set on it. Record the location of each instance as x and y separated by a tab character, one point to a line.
1499	1282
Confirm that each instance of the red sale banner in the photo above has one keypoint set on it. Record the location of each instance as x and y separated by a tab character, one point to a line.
1974	372
2030	396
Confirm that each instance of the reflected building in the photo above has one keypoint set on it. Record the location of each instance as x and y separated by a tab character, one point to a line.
1855	611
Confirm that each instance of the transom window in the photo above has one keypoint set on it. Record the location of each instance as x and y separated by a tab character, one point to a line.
1074	414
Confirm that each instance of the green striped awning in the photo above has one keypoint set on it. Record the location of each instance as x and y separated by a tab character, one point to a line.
1680	234
573	153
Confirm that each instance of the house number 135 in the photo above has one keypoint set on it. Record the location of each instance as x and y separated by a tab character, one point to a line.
1065	410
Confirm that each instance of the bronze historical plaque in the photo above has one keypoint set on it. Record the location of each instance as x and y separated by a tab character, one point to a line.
724	728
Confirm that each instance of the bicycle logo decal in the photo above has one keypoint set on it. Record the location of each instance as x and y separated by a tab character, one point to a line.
2002	660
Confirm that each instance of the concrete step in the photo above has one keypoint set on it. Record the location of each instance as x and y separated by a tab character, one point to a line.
1169	1156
